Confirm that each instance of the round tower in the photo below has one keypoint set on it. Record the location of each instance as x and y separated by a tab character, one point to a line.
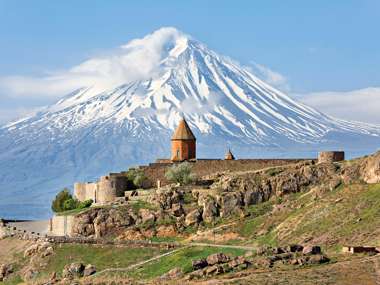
330	156
183	143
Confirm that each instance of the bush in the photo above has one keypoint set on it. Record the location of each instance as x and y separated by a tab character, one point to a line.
137	177
58	204
85	204
180	173
64	201
70	204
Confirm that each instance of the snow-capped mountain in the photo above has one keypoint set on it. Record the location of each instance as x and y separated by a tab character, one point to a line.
107	127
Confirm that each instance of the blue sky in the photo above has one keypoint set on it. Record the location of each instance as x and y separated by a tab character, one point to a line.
324	46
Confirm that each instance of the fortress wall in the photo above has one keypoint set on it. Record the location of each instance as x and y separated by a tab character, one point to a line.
156	171
110	187
80	191
91	191
85	191
61	226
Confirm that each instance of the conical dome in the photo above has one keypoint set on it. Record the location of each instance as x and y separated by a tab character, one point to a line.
183	132
229	155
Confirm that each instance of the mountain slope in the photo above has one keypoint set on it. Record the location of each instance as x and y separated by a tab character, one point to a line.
108	127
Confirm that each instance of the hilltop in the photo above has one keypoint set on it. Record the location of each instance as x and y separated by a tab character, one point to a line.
329	205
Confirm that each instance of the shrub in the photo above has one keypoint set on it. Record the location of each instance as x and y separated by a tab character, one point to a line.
70	204
137	177
85	204
64	201
180	173
58	204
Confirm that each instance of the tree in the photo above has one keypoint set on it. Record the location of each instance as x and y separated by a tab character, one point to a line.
180	173
70	204
136	176
58	204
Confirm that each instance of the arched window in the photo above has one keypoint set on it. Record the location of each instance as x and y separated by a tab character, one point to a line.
177	153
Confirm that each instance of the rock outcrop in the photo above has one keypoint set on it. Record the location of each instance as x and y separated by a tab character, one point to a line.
5	271
370	168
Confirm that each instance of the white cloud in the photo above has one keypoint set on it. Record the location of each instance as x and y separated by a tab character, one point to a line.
7	114
270	76
137	60
358	105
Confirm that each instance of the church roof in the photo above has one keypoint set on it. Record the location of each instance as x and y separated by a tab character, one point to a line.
183	132
229	155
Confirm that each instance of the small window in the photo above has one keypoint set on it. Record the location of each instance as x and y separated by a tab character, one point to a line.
177	153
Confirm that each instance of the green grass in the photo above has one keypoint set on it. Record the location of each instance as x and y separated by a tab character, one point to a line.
180	259
72	212
274	171
139	204
101	256
166	239
260	209
13	280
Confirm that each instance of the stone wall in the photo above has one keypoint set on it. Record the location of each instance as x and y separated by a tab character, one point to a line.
86	191
114	185
61	226
330	156
107	189
202	167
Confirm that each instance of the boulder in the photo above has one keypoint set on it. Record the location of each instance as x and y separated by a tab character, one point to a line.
177	210
73	270
370	169
29	273
43	248
165	199
199	263
253	197
217	258
263	262
230	203
210	210
239	260
147	216
175	273
318	259
166	231
294	248
89	270
131	234
193	218
214	270
311	249
200	273
5	270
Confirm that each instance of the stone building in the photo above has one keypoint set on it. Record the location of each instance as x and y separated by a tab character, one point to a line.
103	191
183	143
330	156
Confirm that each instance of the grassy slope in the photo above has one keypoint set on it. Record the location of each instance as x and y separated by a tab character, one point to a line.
101	256
180	259
348	215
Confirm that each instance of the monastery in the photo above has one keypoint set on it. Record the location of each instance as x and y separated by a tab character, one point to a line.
183	148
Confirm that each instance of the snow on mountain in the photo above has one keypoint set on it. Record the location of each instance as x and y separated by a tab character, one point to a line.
114	122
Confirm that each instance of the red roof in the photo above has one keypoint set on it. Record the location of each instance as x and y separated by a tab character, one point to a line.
183	132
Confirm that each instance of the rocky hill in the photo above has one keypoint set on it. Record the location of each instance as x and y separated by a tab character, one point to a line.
278	225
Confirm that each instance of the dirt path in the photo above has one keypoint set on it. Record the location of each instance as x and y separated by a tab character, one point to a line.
222	245
10	247
40	227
